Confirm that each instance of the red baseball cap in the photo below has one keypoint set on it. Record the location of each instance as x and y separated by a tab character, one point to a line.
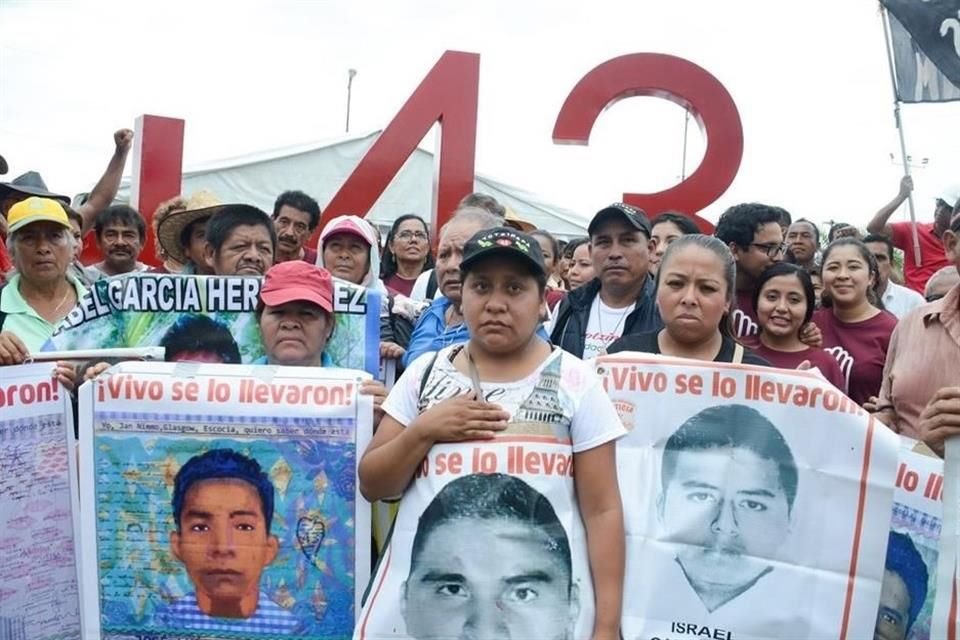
297	280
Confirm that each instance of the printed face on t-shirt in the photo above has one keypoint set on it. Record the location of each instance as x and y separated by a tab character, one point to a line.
490	579
728	508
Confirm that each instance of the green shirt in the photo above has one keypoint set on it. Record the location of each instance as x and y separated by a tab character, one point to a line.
22	321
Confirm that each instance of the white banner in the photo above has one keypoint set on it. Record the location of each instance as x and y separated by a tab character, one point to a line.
909	578
488	540
38	574
223	502
757	502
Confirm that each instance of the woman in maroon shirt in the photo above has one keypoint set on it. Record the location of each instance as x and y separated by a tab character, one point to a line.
784	301
856	330
406	254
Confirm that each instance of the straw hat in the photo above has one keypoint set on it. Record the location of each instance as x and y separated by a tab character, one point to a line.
200	206
511	219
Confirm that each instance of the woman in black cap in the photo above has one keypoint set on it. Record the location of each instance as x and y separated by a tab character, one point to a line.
504	382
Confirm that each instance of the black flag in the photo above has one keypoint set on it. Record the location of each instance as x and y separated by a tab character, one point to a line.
926	48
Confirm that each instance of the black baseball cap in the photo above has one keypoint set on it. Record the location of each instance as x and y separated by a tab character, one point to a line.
502	241
634	217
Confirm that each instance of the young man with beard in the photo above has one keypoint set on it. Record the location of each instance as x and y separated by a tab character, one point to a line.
120	232
295	216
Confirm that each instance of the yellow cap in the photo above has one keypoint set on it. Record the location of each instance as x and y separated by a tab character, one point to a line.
36	209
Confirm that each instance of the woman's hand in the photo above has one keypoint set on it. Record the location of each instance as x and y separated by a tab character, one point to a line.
391	351
93	371
66	373
12	349
462	418
375	389
811	335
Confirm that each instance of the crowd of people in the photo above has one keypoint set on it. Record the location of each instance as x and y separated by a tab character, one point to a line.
500	300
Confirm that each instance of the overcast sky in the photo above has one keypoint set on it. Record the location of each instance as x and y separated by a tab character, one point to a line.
810	81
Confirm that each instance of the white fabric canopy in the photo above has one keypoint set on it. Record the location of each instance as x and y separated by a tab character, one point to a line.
320	168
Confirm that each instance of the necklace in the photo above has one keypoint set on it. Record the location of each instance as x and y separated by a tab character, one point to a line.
623	315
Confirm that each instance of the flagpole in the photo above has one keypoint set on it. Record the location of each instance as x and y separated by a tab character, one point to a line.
899	123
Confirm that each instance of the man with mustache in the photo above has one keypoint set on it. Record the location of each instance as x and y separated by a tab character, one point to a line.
295	216
728	485
121	232
222	508
241	241
619	300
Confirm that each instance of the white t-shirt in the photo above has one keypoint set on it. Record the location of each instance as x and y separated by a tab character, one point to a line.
563	397
900	300
605	325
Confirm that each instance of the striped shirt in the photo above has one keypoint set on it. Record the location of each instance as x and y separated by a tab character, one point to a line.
184	614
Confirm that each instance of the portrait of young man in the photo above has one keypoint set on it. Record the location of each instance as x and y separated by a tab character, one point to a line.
490	560
728	486
223	507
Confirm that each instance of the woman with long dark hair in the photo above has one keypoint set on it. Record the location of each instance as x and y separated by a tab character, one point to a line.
784	301
856	329
406	254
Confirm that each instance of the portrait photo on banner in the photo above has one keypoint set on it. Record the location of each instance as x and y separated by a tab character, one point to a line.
209	319
214	518
910	566
481	549
738	519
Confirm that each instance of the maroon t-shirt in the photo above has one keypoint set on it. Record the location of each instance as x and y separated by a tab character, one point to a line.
309	255
400	285
744	318
859	347
819	358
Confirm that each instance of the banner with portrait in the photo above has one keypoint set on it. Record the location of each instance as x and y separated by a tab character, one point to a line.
39	598
211	318
756	501
910	568
487	537
223	501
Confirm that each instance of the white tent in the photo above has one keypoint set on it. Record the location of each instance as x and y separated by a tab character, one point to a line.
320	168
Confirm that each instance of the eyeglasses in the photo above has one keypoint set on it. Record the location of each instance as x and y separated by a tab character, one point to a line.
411	235
772	249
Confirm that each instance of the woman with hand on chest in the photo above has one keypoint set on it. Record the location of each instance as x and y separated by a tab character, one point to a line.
502	382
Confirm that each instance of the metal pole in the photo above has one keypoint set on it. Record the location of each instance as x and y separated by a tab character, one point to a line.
350	74
903	145
686	124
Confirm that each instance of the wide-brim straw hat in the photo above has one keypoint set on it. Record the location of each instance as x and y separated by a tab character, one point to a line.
200	206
